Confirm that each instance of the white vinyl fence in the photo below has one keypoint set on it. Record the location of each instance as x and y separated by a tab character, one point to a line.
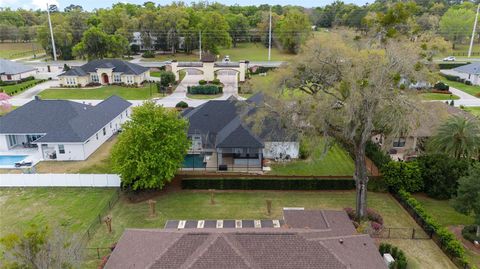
59	180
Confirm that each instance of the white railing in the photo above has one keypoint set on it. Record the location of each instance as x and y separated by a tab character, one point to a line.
59	180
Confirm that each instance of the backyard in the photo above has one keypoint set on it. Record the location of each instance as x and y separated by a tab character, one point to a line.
335	161
18	50
438	96
129	93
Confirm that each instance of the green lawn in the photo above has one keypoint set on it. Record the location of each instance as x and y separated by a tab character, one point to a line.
443	212
474	110
438	96
335	162
470	89
72	208
243	51
204	96
18	50
10	89
142	93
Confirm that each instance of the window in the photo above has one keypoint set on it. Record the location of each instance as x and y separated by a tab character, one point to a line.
104	131
94	78
61	149
399	142
12	140
117	78
129	79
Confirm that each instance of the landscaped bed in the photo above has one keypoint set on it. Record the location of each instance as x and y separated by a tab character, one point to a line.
129	93
20	87
470	89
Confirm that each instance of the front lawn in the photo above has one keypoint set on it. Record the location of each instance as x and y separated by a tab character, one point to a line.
129	93
335	162
20	87
470	89
72	208
204	96
438	96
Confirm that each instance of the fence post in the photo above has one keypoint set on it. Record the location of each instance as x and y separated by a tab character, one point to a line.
413	233
98	253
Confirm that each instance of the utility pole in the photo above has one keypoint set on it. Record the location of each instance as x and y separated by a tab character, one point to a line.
51	34
473	32
200	43
270	35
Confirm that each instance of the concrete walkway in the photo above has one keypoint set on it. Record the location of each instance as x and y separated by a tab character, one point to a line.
35	90
465	98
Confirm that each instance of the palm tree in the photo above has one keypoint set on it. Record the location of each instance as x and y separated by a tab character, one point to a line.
458	137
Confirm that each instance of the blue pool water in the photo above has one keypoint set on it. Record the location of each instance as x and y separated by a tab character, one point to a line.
193	161
11	160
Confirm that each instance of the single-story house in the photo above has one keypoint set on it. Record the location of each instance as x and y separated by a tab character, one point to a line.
13	71
306	239
405	147
222	138
104	72
470	72
62	130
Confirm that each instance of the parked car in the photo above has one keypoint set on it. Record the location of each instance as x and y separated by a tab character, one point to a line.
449	59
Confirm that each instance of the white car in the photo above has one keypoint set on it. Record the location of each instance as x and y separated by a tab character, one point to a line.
449	59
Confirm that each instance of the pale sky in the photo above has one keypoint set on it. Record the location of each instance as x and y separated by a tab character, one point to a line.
91	4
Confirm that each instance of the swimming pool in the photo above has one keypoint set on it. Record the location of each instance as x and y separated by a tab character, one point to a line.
10	160
193	161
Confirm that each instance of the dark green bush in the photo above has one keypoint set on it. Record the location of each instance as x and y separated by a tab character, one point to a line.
403	175
167	78
440	174
216	81
202	82
468	82
441	86
148	54
397	254
181	104
450	65
204	89
268	184
376	154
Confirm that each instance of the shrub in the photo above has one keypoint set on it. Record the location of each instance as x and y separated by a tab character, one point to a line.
204	89
376	154
202	82
468	82
376	226
350	212
403	175
216	81
469	232
374	216
268	184
451	65
397	254
441	86
148	54
181	104
440	174
167	78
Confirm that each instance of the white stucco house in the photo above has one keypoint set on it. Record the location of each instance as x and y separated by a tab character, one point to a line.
105	72
13	71
62	130
470	72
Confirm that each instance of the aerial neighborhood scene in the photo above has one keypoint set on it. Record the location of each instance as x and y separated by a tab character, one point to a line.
240	134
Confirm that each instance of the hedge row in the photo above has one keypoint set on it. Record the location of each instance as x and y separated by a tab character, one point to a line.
268	184
452	246
7	83
451	65
204	89
457	79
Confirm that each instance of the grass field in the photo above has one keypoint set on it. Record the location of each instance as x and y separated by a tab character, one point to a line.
97	163
72	208
10	89
470	89
142	93
335	162
204	96
443	212
243	51
18	50
438	96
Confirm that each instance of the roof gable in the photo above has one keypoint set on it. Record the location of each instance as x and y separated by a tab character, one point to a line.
117	66
12	68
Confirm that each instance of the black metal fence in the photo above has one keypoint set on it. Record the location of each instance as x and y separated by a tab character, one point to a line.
398	233
474	53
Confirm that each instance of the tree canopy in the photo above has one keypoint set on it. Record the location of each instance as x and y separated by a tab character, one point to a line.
151	147
467	200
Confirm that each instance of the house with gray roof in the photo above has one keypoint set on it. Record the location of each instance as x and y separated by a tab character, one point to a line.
468	72
104	72
223	138
60	129
13	71
305	239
